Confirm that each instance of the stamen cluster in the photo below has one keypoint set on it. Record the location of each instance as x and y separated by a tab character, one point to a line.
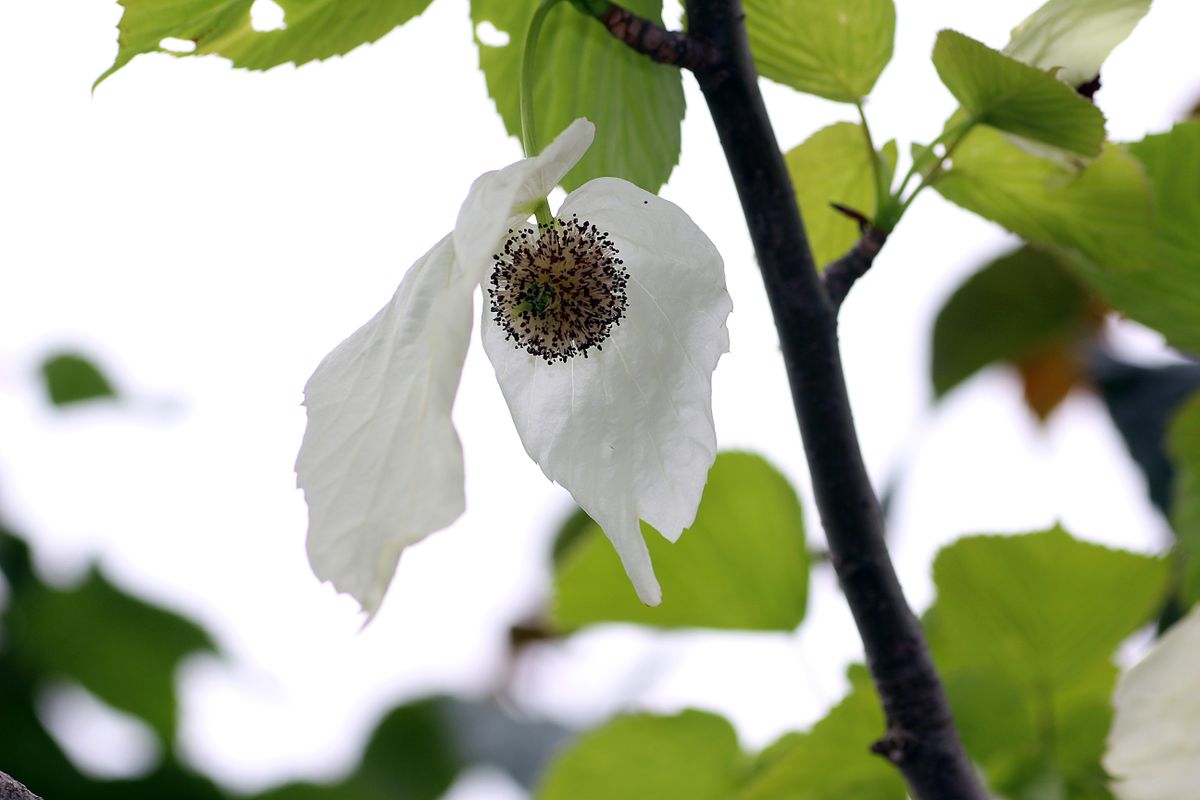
558	291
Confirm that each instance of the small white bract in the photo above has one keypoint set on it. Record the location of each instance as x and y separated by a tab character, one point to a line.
604	328
1154	745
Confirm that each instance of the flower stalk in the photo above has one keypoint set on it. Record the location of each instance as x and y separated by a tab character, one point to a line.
528	72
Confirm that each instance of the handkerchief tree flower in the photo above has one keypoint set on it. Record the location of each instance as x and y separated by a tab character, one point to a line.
604	325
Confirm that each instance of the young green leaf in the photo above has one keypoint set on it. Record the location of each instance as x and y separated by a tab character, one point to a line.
1074	36
1011	306
1183	441
313	29
749	532
1004	93
834	166
582	71
692	754
832	761
71	378
831	48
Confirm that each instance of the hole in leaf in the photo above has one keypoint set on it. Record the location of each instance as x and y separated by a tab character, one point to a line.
489	34
266	15
173	45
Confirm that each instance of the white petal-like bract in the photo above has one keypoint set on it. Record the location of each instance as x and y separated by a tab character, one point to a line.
1154	745
505	198
381	465
1075	36
628	430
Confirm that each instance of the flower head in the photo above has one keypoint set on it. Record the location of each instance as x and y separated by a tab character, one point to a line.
558	291
604	327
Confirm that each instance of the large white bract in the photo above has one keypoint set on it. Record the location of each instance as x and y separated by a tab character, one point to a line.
1154	745
604	331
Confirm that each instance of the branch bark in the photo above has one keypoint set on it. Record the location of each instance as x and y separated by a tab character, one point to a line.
653	40
920	739
12	789
839	276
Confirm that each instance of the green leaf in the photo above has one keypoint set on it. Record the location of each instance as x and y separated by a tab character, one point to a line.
1002	312
1074	36
1183	441
833	761
1165	295
1103	211
119	648
314	29
1004	93
831	48
71	378
582	71
693	755
1039	607
1023	630
749	532
834	166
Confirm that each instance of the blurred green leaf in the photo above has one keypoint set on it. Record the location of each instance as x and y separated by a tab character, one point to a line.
834	166
749	532
831	48
1004	93
71	378
314	29
1024	630
691	755
1104	210
119	648
1166	297
419	749
833	761
1074	36
1126	226
582	71
411	754
1004	311
1183	441
32	754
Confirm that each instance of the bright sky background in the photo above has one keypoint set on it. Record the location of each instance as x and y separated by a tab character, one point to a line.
208	235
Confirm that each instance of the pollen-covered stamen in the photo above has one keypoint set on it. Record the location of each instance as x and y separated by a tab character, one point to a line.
558	291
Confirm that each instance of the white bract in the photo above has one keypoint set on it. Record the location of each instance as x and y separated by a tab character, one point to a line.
604	330
1154	745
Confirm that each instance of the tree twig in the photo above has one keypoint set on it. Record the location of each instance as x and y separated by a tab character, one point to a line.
920	739
651	39
839	276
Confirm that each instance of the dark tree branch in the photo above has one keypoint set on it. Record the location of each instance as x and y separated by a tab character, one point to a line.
839	276
12	789
653	40
921	739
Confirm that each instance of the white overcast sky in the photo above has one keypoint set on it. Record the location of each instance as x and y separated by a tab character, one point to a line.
208	235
